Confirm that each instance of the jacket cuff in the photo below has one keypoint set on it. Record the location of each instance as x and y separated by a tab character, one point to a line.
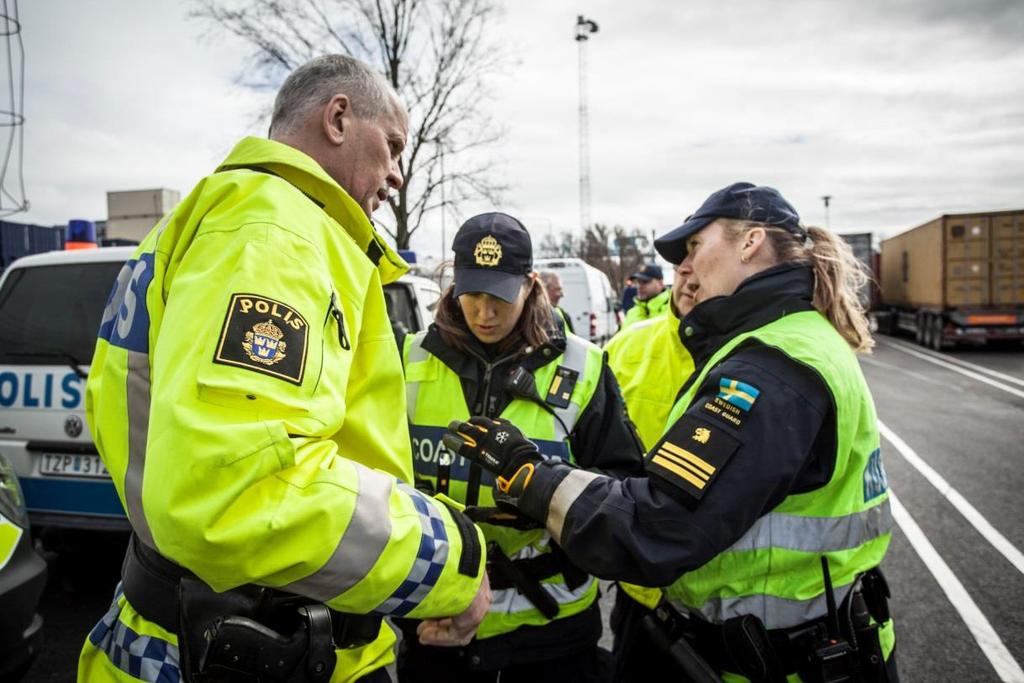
555	487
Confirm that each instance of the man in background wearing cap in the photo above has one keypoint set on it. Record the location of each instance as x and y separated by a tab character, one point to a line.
651	296
765	509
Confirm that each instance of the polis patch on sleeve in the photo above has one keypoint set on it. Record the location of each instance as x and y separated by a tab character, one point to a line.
692	455
265	336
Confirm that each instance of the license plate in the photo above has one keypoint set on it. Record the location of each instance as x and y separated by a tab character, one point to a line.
71	465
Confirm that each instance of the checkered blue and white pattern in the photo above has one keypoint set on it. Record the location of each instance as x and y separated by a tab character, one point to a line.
147	658
430	559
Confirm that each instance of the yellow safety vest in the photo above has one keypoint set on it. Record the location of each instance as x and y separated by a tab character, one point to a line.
773	571
243	396
435	398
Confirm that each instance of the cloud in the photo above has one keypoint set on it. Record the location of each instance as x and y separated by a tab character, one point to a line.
899	110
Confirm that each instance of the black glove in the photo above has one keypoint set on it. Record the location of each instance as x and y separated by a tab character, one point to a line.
499	447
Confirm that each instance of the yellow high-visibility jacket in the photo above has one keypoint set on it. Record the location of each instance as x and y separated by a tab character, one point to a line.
651	364
247	396
647	308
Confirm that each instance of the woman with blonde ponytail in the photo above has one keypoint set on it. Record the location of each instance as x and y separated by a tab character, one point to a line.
768	476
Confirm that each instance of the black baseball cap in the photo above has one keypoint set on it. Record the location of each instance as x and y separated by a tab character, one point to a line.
493	253
652	271
744	201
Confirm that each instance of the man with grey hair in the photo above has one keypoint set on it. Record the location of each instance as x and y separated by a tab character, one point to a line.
246	395
553	288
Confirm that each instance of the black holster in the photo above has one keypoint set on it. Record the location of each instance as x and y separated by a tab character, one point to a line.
666	631
249	633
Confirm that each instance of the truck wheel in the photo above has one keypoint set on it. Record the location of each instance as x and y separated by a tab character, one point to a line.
919	329
936	335
925	327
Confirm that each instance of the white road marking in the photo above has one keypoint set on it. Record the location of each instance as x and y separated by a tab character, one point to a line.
988	640
959	361
956	368
868	360
982	525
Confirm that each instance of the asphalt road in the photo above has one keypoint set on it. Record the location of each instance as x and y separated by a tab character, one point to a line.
955	565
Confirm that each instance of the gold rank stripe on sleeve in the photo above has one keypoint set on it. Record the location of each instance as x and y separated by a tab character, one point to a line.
682	462
688	456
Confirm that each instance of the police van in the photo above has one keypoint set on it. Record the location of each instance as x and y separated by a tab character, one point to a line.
51	307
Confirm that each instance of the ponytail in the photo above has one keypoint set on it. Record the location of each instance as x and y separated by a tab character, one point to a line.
838	276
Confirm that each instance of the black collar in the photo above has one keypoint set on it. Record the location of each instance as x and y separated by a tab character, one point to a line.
466	363
760	299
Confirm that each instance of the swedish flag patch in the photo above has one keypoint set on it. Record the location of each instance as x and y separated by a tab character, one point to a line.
739	394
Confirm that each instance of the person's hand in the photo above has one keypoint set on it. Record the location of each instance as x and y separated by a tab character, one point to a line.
460	629
499	447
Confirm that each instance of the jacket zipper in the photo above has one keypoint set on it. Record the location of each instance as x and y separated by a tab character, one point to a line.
475	472
335	312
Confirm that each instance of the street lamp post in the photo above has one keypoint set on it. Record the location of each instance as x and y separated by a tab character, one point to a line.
827	199
584	27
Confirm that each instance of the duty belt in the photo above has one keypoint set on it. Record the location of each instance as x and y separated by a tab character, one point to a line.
743	645
151	584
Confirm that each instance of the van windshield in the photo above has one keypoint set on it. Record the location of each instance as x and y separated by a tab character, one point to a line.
51	314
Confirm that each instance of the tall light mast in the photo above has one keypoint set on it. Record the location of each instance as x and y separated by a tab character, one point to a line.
584	27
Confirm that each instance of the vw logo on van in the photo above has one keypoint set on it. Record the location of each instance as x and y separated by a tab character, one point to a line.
73	426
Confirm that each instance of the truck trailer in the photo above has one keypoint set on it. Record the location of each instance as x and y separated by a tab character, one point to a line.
957	278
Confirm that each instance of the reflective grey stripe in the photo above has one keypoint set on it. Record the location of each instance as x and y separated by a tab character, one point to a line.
816	534
575	358
361	544
774	611
417	354
138	397
569	489
510	601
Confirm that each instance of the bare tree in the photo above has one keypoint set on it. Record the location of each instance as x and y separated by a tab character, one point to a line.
565	245
617	252
434	52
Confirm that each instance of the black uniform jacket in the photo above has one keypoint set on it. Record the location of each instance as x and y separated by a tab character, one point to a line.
762	426
603	438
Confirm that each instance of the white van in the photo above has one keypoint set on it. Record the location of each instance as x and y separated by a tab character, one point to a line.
411	302
587	297
50	310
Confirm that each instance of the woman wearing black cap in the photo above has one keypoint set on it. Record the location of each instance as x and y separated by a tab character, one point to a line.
765	511
495	350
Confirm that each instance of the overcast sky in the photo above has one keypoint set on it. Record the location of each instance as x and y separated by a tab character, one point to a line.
901	110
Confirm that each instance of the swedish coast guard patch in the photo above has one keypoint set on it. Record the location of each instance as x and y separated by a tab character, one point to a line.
264	335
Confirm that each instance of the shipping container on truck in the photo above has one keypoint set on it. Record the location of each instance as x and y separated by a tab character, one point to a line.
22	239
957	278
